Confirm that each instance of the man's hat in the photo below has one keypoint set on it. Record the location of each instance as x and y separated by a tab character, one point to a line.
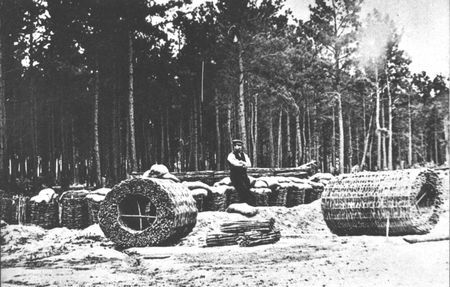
236	142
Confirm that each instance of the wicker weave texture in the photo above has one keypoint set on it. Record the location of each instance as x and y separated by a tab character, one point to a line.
176	212
364	203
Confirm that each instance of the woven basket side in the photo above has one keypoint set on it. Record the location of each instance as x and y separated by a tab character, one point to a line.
362	203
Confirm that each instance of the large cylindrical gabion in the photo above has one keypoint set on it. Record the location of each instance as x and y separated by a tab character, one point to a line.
365	202
147	212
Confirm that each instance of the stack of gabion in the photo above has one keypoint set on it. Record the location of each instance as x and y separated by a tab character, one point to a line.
245	233
94	200
74	209
175	212
6	207
219	199
444	176
20	209
261	196
44	209
366	202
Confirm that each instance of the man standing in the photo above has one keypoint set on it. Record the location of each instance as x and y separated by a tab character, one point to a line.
239	162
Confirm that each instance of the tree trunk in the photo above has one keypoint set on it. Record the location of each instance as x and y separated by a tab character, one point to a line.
333	142
218	136
436	149
255	132
366	146
98	174
242	132
377	119
383	138
409	132
298	141
270	148
278	162
288	140
309	149
167	139
195	134
350	148
229	132
341	135
390	163
116	151
133	159
3	141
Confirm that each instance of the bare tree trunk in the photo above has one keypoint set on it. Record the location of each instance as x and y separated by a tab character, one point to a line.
133	159
377	119
357	144
169	151
366	146
288	140
271	149
298	141
350	147
333	141
308	114
195	141
390	163
3	141
255	131
229	133
218	137
383	138
341	135
399	146
116	151
75	166
436	149
241	102
409	132
279	146
98	174
305	148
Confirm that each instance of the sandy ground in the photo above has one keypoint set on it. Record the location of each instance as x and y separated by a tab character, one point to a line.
307	255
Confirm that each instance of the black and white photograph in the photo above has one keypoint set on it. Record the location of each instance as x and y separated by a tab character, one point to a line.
224	143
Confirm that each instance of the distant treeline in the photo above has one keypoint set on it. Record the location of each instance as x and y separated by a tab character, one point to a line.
91	91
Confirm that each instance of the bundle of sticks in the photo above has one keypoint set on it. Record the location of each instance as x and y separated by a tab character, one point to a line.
245	233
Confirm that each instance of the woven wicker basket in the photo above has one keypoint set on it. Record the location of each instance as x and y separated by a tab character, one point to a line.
364	203
74	209
218	201
44	214
93	207
278	197
261	196
6	209
147	212
20	209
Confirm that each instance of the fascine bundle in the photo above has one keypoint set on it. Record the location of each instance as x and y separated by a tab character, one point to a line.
44	208
406	201
147	212
244	233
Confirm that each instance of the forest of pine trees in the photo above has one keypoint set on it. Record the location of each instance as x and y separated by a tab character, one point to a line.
92	90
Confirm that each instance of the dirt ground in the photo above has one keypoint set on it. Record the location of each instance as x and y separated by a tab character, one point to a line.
307	255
